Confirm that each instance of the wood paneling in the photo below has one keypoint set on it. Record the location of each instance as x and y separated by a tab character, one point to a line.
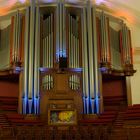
114	92
9	89
114	86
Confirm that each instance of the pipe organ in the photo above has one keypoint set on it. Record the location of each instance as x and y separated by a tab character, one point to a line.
114	45
12	40
92	42
47	53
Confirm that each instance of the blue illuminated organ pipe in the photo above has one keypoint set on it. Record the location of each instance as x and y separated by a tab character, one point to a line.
85	62
64	30
90	54
61	29
26	63
37	62
95	58
57	32
31	56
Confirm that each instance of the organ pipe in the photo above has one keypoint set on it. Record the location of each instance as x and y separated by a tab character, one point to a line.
36	62
15	43
52	45
31	50
95	50
26	62
127	49
61	28
90	49
49	42
71	42
107	40
131	57
102	40
85	62
126	45
57	32
69	39
18	37
64	30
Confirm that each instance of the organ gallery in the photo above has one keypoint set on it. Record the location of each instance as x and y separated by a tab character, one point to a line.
65	55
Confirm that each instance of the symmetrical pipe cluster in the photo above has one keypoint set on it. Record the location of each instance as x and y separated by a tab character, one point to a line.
48	36
73	49
73	41
60	31
48	50
84	36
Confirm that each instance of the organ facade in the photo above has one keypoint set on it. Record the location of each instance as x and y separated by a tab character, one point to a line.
61	50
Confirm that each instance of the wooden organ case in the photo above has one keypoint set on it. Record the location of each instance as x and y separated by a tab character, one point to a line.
61	74
65	54
115	60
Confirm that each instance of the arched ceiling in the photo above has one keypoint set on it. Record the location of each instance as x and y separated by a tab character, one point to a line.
126	9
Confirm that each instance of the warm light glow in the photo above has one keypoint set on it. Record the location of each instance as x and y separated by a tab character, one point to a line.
117	8
6	5
125	16
133	51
